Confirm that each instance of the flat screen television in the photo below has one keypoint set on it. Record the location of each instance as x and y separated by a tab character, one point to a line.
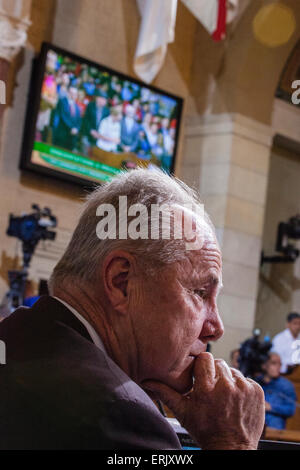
86	123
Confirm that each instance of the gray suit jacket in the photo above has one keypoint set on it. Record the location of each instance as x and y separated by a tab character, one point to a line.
59	391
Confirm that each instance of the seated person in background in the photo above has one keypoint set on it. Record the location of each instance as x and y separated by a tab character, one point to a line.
109	131
280	393
284	341
234	358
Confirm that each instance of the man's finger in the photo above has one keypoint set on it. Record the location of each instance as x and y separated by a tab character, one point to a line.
223	370
239	379
204	372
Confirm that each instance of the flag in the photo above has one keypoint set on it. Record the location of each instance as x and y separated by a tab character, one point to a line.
215	14
156	31
158	28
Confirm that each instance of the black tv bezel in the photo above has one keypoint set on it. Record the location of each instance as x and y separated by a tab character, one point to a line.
33	105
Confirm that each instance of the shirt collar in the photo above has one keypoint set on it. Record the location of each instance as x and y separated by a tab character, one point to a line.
92	332
289	334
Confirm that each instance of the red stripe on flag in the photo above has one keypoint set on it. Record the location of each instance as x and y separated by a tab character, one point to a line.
220	32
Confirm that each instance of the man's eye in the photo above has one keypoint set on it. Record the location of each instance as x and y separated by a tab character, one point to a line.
201	293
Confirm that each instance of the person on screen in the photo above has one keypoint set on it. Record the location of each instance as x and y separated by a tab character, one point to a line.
129	130
144	109
164	131
63	82
48	103
68	121
146	123
143	148
126	92
138	111
168	149
96	111
152	134
82	101
110	131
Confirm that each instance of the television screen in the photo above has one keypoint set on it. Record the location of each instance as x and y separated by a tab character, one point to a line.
87	123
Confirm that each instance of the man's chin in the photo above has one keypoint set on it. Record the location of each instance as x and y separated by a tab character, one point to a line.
183	382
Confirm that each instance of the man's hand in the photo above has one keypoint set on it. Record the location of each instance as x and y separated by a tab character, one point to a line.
94	134
224	410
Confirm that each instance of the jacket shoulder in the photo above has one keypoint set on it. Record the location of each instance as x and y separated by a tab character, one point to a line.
61	391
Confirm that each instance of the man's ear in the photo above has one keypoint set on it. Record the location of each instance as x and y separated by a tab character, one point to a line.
116	270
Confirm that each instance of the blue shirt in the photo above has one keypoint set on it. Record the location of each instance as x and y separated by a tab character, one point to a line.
281	395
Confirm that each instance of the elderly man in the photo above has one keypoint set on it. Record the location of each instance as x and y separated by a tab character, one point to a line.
129	318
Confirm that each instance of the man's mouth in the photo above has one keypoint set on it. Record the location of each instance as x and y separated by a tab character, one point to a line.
198	350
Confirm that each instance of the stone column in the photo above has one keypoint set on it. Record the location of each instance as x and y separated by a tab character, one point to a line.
226	157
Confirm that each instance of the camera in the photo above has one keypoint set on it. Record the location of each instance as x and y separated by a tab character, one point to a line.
31	228
253	354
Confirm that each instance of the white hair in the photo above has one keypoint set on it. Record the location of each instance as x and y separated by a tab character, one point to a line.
86	252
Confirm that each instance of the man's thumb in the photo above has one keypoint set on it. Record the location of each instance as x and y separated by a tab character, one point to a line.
167	395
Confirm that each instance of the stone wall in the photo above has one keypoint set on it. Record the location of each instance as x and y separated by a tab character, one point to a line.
279	284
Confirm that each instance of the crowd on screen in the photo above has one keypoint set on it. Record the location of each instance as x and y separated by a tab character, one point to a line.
82	108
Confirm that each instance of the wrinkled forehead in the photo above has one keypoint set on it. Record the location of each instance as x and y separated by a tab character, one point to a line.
195	224
205	262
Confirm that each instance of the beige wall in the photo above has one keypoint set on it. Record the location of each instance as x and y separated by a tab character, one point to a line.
240	74
279	283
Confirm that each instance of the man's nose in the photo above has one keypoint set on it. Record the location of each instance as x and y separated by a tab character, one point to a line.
214	326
